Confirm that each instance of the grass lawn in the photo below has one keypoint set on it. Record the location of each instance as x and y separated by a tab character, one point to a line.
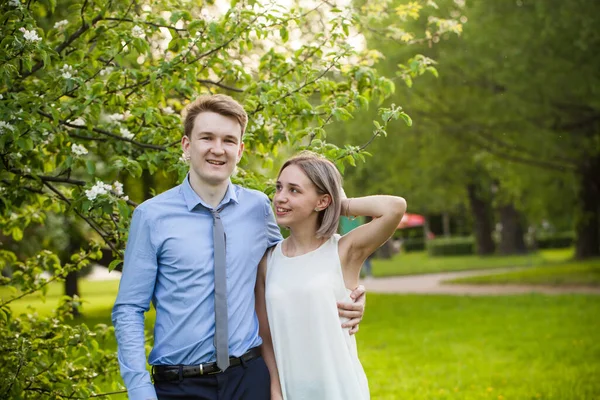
510	347
420	263
571	273
460	348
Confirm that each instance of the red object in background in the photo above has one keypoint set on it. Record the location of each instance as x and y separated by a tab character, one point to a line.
411	220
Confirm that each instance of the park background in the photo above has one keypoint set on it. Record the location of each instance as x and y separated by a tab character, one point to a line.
484	115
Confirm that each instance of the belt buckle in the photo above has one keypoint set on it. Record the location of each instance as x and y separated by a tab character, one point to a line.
218	371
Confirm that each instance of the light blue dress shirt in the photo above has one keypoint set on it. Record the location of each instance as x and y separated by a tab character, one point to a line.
169	261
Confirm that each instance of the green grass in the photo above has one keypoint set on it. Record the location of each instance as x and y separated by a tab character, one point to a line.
586	273
95	295
420	263
463	348
455	348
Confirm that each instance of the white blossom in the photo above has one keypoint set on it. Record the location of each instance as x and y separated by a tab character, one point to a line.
5	126
126	198
1	97
78	150
60	24
112	118
168	110
66	71
14	3
27	170
98	189
106	71
137	32
183	158
126	134
78	121
118	188
30	36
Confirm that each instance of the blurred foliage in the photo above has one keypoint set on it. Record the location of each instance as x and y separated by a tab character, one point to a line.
90	101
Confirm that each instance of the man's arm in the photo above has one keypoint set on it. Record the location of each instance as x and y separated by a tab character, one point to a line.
355	310
133	300
272	229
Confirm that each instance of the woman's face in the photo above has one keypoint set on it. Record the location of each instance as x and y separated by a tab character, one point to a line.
295	198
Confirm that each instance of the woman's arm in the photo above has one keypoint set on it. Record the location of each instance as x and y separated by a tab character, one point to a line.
263	328
359	243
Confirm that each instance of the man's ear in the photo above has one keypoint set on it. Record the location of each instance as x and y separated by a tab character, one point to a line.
185	144
240	153
324	202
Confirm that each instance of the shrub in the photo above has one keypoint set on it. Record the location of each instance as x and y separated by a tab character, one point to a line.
451	246
557	240
413	244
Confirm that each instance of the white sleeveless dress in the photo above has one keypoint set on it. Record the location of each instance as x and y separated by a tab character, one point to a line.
316	357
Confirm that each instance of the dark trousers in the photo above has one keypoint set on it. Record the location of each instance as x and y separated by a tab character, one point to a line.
248	381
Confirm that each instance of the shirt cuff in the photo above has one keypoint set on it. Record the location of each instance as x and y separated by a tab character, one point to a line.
145	392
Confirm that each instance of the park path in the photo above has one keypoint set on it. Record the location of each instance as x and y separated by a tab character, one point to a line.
433	284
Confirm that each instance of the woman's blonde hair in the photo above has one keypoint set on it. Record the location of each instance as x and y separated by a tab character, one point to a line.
327	180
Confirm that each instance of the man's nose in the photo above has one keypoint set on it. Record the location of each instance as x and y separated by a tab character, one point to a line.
217	147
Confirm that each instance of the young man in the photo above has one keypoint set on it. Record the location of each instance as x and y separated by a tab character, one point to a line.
193	251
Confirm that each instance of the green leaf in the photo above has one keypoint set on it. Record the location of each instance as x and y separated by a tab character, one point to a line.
283	32
17	234
406	118
114	264
91	167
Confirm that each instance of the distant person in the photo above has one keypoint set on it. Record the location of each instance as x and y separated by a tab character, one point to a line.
194	251
299	282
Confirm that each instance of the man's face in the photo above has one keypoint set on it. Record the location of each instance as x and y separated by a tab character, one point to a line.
214	148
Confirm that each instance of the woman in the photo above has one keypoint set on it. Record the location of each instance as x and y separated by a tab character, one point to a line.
309	355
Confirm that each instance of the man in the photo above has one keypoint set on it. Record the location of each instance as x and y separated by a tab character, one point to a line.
193	251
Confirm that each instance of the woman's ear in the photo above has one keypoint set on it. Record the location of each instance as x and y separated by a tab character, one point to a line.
324	202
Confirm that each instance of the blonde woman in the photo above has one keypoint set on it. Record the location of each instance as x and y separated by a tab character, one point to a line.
308	353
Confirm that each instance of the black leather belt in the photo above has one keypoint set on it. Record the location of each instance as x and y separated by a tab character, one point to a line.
177	372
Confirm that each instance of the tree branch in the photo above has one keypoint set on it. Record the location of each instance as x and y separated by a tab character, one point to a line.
145	23
209	82
64	44
91	223
106	133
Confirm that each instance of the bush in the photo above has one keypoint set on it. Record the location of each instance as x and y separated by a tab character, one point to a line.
413	244
451	246
558	240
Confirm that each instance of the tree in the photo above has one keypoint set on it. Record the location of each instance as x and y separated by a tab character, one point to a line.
502	103
91	103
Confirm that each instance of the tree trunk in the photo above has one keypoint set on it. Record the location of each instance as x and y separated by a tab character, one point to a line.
446	224
72	288
512	239
482	216
587	243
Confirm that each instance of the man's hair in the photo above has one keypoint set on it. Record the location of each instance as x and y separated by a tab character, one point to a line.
217	103
327	180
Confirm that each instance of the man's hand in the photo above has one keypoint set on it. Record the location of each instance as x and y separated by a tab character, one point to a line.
355	310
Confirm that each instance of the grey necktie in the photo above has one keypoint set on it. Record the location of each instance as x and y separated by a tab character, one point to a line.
221	333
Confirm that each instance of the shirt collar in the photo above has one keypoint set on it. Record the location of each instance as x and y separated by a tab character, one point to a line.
192	199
